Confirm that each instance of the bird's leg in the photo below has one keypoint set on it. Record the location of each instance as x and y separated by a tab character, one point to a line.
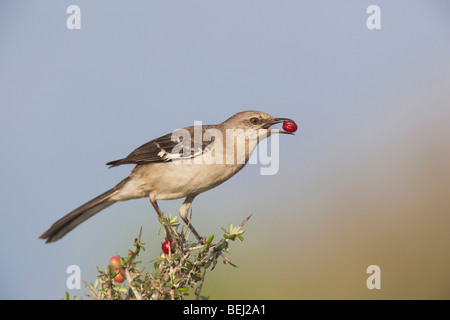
184	216
168	233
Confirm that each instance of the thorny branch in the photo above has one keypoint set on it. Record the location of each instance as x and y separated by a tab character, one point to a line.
174	275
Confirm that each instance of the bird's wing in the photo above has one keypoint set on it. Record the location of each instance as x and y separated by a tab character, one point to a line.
178	145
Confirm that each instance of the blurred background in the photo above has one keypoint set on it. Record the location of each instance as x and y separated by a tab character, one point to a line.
365	181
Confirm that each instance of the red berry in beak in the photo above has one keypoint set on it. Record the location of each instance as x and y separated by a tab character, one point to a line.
290	126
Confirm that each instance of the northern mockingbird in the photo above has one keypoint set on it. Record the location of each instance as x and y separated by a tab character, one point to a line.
181	164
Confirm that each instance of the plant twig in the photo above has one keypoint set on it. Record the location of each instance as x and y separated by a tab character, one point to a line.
199	290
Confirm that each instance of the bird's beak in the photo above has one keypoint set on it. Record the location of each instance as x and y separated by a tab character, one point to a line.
275	121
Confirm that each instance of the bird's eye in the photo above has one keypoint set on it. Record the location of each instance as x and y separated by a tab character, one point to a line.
254	120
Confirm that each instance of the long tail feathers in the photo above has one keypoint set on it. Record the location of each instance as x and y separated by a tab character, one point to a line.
64	225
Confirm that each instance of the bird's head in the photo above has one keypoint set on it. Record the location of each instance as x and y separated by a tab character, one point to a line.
255	120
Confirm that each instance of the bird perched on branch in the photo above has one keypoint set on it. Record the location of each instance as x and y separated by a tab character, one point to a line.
181	164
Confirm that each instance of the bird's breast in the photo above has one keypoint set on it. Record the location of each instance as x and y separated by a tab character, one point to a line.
174	180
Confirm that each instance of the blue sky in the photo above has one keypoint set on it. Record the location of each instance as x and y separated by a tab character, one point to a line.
372	108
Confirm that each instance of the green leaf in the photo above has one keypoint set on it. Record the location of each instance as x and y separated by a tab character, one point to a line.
163	260
210	239
121	289
174	221
67	295
229	236
221	246
203	248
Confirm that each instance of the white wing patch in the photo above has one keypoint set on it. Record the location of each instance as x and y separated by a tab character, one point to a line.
179	154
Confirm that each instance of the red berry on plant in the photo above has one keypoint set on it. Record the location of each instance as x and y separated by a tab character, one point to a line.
120	277
115	262
289	126
166	245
